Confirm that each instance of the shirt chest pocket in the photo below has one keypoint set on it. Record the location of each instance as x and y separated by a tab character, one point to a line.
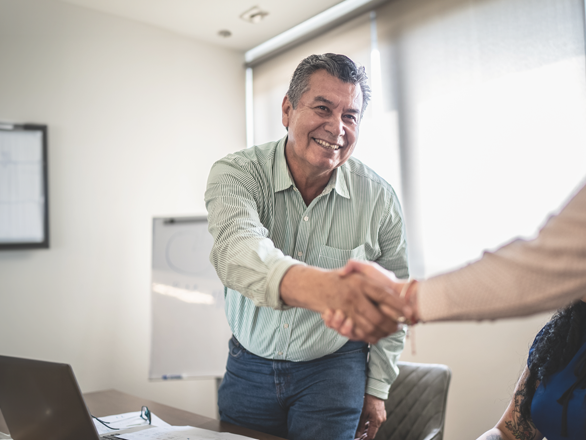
332	258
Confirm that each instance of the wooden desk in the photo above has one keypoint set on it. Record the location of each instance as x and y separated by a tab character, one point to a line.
105	403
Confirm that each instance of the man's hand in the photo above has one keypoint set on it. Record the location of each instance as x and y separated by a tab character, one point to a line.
408	305
392	306
356	296
373	415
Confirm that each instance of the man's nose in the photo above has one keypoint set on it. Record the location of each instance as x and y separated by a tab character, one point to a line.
335	126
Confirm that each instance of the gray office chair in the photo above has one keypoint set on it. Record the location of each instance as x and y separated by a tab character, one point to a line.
416	408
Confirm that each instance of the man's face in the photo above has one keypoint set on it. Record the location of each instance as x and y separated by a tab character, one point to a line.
323	129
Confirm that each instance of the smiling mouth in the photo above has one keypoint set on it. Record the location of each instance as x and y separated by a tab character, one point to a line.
325	144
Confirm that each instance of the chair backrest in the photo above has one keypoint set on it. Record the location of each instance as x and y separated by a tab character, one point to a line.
416	407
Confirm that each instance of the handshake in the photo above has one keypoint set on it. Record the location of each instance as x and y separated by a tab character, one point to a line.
361	301
380	304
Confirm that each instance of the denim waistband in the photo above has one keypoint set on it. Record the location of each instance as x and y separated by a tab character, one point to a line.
348	346
351	346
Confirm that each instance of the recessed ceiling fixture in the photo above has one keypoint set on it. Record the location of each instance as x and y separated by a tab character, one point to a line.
254	15
224	33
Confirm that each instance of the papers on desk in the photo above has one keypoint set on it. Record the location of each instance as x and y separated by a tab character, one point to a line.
129	426
180	433
126	421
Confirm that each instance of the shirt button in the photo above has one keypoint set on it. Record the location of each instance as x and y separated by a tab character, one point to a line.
306	218
280	353
294	189
299	254
286	325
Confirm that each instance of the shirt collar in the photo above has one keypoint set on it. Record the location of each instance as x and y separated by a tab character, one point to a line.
284	180
341	185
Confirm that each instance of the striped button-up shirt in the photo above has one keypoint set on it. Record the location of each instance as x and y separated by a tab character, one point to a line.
261	227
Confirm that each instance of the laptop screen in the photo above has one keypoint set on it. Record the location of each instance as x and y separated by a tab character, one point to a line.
42	400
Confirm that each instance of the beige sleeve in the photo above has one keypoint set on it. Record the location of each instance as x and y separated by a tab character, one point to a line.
521	278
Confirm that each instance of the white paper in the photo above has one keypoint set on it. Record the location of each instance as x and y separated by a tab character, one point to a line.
125	421
180	433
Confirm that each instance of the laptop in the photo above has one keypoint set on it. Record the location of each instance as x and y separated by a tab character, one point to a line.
41	400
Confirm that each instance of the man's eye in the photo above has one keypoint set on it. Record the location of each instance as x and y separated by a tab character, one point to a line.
322	107
351	117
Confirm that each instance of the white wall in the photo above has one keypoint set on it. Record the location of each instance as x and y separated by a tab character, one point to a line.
136	118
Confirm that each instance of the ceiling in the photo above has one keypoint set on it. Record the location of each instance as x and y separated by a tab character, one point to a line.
203	20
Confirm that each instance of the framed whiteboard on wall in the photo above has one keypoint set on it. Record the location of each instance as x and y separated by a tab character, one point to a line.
189	330
24	194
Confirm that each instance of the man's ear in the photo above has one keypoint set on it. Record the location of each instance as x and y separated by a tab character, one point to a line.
286	108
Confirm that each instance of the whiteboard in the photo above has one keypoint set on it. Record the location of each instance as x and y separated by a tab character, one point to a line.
189	330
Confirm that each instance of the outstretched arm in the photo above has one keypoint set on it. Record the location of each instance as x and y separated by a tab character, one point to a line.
518	279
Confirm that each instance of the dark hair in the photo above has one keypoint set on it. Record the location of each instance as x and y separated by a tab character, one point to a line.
336	65
560	340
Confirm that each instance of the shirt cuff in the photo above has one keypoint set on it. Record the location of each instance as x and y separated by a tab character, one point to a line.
274	277
377	388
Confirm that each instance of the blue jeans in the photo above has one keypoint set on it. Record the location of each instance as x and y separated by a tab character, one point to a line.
319	399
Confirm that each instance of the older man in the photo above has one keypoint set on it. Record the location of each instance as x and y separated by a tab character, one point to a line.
285	216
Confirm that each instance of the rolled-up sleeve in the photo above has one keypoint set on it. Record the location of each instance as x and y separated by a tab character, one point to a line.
245	259
382	365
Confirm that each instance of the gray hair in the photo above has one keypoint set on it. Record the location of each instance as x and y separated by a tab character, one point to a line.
339	66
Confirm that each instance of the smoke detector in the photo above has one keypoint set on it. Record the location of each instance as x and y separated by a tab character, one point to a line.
254	15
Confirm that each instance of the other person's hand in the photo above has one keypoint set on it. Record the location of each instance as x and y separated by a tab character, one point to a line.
361	300
393	307
357	296
372	417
